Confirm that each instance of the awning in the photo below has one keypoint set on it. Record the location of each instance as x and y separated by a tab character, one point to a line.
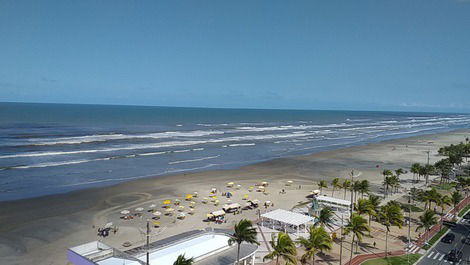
288	217
218	213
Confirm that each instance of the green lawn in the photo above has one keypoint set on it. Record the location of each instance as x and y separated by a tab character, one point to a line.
399	260
406	208
445	186
464	210
436	237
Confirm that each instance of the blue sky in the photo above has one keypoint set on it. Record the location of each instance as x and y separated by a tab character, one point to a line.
362	55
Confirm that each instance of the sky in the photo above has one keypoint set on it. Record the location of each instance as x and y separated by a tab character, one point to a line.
404	55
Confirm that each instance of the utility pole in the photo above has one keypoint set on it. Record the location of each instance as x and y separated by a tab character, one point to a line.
352	187
341	242
409	226
148	242
428	156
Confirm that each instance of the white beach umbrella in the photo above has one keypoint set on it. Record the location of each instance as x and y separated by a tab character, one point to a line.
125	212
157	213
152	205
139	209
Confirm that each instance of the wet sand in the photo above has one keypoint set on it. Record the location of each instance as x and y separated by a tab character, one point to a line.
39	230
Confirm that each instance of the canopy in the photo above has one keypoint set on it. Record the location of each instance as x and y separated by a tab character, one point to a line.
288	217
232	206
218	213
333	201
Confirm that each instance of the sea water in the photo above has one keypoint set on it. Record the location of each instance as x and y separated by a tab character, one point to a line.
55	148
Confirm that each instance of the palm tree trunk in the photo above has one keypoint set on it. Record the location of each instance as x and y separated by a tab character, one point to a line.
333	192
313	259
352	247
386	243
344	197
238	254
277	260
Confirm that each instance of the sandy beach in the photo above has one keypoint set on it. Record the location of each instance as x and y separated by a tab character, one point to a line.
39	230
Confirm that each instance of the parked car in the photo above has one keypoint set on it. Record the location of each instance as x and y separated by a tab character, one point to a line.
454	255
467	241
449	238
466	216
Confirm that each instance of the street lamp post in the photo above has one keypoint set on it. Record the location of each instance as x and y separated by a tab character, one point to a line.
352	187
341	242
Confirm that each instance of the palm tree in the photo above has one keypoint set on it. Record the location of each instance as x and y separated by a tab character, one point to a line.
356	187
346	185
283	247
335	184
364	188
181	260
322	184
363	206
415	170
388	182
325	217
456	198
427	220
244	232
386	173
374	202
434	197
357	225
390	215
318	241
445	200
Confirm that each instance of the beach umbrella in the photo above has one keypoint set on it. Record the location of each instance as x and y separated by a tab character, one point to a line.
214	190
108	225
239	186
156	224
181	215
195	194
180	208
188	197
191	211
264	183
125	212
152	205
177	202
157	213
230	184
139	209
166	202
245	197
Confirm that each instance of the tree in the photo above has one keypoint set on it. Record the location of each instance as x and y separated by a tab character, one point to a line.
444	167
456	198
386	173
356	187
325	217
318	241
390	215
322	184
283	247
346	185
427	220
181	260
244	232
445	200
415	169
364	187
335	184
374	202
357	225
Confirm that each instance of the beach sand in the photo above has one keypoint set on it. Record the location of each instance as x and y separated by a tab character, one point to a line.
39	230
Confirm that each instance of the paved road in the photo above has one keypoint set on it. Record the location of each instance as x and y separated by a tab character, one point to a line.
438	254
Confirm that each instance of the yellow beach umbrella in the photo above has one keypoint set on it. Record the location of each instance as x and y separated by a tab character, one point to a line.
189	197
166	202
245	197
156	224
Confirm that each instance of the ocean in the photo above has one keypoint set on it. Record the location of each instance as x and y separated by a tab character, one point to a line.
55	148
